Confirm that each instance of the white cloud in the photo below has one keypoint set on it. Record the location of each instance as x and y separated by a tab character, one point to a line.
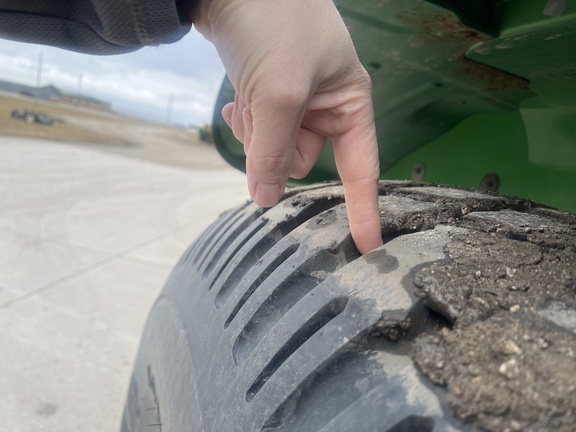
138	83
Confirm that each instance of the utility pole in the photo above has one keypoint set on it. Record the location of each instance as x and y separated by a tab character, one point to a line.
169	109
39	72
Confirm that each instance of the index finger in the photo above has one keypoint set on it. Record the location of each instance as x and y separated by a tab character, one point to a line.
356	155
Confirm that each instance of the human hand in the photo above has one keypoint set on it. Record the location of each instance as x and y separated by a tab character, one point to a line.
298	80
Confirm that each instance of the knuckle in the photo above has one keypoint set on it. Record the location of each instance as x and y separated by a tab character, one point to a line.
299	172
273	164
285	96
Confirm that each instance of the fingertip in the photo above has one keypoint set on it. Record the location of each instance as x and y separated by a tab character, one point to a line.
367	237
364	213
369	245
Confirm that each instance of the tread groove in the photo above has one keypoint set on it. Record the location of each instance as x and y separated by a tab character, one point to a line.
190	256
326	314
314	403
412	423
281	230
213	229
282	257
300	282
216	235
231	256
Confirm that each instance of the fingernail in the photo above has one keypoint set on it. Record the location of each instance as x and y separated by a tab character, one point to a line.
268	194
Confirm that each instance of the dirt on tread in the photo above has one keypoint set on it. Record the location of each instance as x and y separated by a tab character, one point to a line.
509	358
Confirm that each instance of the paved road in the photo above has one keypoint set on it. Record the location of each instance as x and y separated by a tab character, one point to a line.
87	239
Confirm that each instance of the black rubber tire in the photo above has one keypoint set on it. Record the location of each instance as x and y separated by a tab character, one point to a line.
271	321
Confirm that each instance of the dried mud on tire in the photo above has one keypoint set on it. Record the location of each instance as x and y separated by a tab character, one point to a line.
508	356
509	361
464	320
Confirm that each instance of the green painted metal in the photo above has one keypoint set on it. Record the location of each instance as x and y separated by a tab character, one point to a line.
227	145
493	143
533	150
467	87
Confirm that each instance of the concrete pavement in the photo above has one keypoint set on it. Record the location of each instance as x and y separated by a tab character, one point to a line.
87	239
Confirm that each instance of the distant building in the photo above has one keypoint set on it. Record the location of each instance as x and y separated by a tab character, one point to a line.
53	93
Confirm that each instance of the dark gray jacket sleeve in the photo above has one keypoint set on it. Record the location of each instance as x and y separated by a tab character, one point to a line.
94	26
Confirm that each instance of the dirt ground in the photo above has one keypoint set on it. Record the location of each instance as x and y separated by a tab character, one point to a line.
111	132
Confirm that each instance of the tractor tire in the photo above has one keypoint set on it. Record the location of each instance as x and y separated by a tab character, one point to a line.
464	320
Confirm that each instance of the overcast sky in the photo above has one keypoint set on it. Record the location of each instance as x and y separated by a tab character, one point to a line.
139	83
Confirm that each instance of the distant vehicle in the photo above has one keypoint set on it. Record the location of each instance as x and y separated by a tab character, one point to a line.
32	117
